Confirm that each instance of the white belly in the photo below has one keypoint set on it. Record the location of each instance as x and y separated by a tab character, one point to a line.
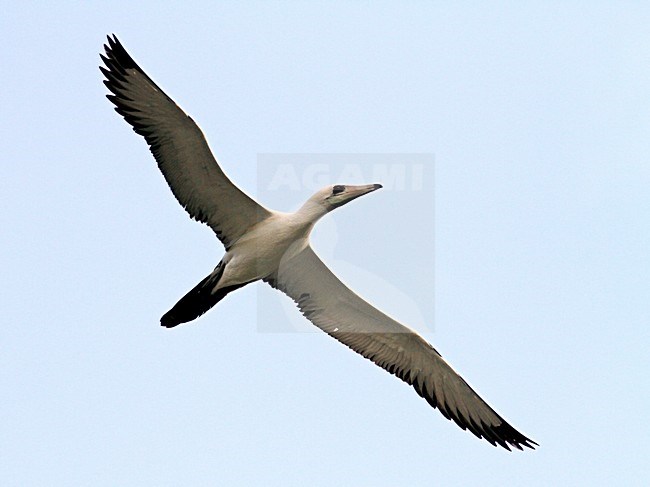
259	252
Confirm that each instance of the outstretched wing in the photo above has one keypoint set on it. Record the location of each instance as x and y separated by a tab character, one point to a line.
180	149
341	313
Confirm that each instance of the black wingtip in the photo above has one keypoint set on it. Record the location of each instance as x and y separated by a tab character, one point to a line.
111	42
115	52
503	435
513	437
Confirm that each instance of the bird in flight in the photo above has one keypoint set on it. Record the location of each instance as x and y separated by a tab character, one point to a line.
271	246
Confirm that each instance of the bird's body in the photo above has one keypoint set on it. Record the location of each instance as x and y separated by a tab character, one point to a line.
257	253
271	246
254	256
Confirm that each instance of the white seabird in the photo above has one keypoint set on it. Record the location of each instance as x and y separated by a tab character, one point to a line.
263	244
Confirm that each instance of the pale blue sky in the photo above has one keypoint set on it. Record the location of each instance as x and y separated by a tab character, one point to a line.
538	117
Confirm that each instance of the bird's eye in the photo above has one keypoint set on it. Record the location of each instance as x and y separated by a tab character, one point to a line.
339	188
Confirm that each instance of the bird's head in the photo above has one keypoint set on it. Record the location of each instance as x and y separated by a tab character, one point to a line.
334	196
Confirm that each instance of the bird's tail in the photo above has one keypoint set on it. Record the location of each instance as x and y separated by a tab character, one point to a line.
198	300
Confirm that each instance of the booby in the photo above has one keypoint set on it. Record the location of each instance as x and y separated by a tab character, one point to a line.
267	245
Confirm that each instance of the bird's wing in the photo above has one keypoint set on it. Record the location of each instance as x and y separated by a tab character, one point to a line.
180	149
341	313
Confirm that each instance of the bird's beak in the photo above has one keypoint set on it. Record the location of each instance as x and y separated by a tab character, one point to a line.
353	192
350	193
